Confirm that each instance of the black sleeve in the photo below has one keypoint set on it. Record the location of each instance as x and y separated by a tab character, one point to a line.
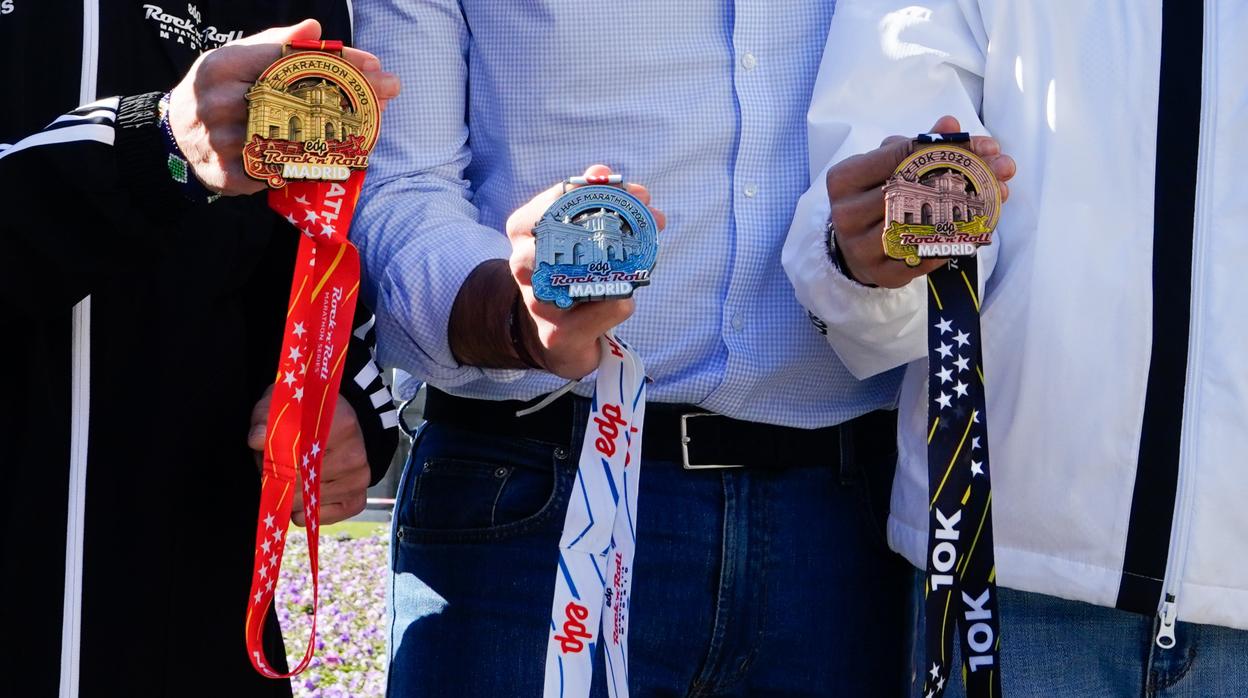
85	199
364	387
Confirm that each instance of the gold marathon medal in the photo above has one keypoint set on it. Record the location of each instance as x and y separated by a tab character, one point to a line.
310	116
942	201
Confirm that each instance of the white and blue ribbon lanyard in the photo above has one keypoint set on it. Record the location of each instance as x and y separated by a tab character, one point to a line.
610	237
593	583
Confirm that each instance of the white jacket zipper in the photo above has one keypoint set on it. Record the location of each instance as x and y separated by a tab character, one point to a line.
79	413
1167	614
90	51
76	505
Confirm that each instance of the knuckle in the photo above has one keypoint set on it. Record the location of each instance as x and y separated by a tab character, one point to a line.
835	177
553	337
209	64
346	416
624	309
839	218
358	457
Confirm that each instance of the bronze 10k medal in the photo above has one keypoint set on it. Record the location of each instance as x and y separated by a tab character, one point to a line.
310	116
941	201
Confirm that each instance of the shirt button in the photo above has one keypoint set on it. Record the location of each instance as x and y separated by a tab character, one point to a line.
751	190
748	61
738	322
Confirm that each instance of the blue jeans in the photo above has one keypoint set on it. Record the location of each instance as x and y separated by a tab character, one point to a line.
746	582
1055	647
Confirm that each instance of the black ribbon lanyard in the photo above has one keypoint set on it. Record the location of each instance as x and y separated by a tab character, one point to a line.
961	589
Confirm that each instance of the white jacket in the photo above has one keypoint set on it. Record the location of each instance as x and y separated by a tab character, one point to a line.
1071	90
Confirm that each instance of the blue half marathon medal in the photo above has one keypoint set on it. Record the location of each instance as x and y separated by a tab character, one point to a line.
595	243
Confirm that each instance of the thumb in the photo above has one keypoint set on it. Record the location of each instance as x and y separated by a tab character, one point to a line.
246	58
307	29
597	171
946	124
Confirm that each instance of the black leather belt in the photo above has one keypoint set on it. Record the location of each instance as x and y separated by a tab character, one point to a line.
682	434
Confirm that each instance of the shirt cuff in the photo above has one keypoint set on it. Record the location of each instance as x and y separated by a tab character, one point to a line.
414	302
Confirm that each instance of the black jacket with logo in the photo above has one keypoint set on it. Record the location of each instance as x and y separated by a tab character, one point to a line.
136	332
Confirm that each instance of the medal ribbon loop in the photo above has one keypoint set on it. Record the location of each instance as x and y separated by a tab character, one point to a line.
305	392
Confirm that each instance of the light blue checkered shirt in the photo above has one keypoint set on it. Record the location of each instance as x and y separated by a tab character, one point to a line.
703	101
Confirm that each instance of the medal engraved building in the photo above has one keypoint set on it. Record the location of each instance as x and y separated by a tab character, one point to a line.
310	110
599	237
938	197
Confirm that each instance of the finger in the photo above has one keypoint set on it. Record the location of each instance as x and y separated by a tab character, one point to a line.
365	61
985	146
385	85
892	139
643	195
259	415
872	266
660	218
580	324
296	506
868	170
345	425
1003	166
334	512
351	477
856	213
640	191
307	29
255	437
946	124
238	183
523	252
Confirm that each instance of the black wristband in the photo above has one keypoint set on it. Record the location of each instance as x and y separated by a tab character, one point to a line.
517	339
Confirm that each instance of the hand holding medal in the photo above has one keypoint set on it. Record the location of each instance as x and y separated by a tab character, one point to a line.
857	191
208	109
562	338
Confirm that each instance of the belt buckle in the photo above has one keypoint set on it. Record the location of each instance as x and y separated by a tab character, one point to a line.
684	445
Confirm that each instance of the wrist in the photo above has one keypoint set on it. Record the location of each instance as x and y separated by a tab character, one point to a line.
488	327
178	164
837	257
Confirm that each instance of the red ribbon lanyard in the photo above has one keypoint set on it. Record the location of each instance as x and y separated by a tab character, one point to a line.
305	392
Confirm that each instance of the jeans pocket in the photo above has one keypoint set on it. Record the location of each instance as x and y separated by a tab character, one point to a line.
468	486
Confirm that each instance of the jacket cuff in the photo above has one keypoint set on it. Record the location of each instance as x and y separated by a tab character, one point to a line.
380	440
141	155
366	392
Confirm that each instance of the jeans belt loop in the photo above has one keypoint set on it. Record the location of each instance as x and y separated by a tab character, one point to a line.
685	440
